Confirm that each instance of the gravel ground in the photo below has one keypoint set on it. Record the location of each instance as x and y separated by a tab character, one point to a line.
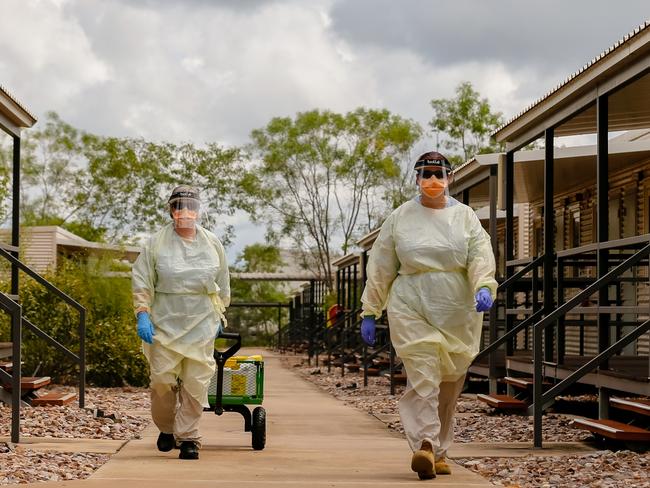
622	469
24	465
27	466
71	421
478	422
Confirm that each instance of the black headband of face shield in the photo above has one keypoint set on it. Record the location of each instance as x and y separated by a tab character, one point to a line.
184	194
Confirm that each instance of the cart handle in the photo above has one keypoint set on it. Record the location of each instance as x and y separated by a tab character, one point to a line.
222	356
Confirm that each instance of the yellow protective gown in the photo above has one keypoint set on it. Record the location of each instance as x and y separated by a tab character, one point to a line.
425	268
185	285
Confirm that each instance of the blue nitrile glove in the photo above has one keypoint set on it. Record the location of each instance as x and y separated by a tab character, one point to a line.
483	300
216	336
145	327
368	330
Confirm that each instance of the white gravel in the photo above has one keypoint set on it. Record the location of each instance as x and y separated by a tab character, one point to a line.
119	421
27	466
70	421
622	469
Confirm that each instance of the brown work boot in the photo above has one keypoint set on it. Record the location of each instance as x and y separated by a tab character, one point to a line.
423	461
442	467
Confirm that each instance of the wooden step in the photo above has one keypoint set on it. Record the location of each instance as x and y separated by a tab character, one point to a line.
523	383
352	367
373	371
6	366
638	405
53	398
504	402
30	383
612	429
398	378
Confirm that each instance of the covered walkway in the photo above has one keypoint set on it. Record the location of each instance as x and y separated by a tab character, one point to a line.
313	440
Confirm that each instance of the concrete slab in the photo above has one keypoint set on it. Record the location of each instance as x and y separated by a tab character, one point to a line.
313	440
100	446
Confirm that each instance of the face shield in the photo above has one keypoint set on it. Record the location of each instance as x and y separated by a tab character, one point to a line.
185	211
433	182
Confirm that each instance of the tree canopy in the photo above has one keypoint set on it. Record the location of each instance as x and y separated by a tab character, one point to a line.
466	121
314	174
108	188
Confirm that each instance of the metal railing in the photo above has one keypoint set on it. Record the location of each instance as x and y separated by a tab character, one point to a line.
543	400
495	343
17	320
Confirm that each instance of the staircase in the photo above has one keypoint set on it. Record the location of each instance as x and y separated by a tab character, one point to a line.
30	387
633	431
520	398
621	431
17	390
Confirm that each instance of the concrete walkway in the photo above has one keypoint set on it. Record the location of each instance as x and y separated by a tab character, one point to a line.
313	440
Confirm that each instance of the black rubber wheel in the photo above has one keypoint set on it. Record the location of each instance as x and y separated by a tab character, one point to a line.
258	428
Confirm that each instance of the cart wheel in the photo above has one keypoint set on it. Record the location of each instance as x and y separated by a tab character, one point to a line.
259	428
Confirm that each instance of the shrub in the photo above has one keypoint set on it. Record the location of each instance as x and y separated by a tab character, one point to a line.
113	349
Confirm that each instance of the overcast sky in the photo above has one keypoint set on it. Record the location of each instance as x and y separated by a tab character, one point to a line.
213	70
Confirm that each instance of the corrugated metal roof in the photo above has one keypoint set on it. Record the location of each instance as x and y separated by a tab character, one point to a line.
607	52
13	99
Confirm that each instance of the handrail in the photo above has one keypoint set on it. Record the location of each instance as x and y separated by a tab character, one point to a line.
532	264
594	287
15	310
511	333
29	271
48	338
80	359
625	242
539	398
519	262
519	274
547	397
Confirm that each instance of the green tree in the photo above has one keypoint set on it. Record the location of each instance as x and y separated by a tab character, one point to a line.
108	188
467	121
315	175
260	258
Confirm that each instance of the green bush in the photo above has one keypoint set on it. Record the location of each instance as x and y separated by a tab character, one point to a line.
113	349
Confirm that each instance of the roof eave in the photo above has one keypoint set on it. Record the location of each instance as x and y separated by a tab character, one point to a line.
579	89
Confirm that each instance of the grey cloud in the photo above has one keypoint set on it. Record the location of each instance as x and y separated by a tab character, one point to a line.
229	4
555	35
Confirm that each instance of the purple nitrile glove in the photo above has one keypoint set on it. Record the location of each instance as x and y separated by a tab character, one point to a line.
368	330
145	327
483	300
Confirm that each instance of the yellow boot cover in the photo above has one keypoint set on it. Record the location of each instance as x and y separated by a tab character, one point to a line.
423	462
442	467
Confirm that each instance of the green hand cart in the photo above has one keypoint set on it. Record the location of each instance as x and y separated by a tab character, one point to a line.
239	381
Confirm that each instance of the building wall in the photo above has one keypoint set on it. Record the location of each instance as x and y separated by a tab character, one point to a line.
575	225
38	246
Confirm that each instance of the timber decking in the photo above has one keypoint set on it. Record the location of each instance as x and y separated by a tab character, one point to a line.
612	429
629	374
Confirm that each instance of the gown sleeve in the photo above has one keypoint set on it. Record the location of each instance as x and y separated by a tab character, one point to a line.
381	271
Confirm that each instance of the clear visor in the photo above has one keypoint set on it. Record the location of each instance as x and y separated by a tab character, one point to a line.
185	211
433	182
